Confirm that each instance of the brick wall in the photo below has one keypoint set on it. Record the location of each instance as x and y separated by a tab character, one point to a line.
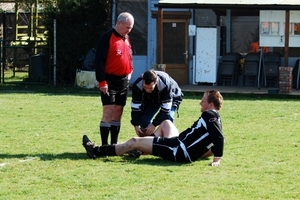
285	80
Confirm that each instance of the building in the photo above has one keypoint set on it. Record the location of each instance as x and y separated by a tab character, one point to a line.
165	31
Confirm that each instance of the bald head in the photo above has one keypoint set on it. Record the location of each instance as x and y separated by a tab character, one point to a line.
125	22
125	17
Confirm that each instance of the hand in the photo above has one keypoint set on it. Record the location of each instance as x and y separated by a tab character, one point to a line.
149	129
213	164
139	131
104	89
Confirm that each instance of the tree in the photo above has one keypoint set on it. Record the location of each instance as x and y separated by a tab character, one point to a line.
79	24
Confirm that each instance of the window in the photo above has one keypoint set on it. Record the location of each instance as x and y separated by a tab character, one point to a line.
265	28
274	28
270	28
296	29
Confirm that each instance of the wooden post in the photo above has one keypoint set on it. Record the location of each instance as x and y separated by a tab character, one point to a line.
159	51
285	72
286	39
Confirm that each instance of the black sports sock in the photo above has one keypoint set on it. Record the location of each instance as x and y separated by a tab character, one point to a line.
114	132
104	132
105	150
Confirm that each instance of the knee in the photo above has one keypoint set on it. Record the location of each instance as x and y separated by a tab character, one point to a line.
165	123
118	111
132	142
107	114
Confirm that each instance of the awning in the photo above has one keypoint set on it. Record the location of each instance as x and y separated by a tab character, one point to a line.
256	4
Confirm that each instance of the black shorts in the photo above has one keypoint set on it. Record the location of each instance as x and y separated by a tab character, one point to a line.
168	149
118	87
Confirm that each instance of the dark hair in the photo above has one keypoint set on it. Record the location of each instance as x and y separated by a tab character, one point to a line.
149	77
215	97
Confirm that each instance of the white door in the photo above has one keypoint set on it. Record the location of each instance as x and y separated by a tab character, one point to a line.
207	55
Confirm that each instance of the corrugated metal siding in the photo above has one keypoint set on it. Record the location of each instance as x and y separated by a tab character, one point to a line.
205	17
244	31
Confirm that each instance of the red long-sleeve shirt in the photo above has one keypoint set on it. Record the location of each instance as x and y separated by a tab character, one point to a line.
113	56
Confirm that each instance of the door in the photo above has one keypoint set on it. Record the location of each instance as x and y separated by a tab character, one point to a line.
207	54
175	49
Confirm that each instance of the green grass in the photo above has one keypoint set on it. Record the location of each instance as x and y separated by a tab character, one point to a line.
11	77
41	156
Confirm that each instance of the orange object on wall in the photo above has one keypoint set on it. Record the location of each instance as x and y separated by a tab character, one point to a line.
254	47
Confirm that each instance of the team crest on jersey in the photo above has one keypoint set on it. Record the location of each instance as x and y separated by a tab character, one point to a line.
119	52
214	119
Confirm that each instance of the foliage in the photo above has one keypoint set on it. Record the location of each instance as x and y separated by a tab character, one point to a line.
78	27
42	156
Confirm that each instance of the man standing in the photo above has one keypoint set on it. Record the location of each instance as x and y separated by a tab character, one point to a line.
153	92
203	139
113	67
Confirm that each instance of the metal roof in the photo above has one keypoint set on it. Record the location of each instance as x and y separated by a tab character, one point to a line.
258	4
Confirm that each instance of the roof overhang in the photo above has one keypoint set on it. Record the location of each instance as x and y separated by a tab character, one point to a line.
231	4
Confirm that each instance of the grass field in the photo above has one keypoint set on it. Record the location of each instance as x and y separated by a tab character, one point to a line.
41	156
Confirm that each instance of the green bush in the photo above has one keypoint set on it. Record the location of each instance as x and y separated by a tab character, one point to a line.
78	27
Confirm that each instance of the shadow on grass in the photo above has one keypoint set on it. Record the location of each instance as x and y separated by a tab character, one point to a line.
159	161
78	91
45	157
143	160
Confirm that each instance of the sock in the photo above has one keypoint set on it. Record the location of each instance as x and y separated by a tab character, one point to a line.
104	132
114	132
106	150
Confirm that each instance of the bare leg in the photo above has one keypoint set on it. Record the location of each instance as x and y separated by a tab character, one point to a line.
143	144
112	112
207	154
166	129
107	113
117	113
